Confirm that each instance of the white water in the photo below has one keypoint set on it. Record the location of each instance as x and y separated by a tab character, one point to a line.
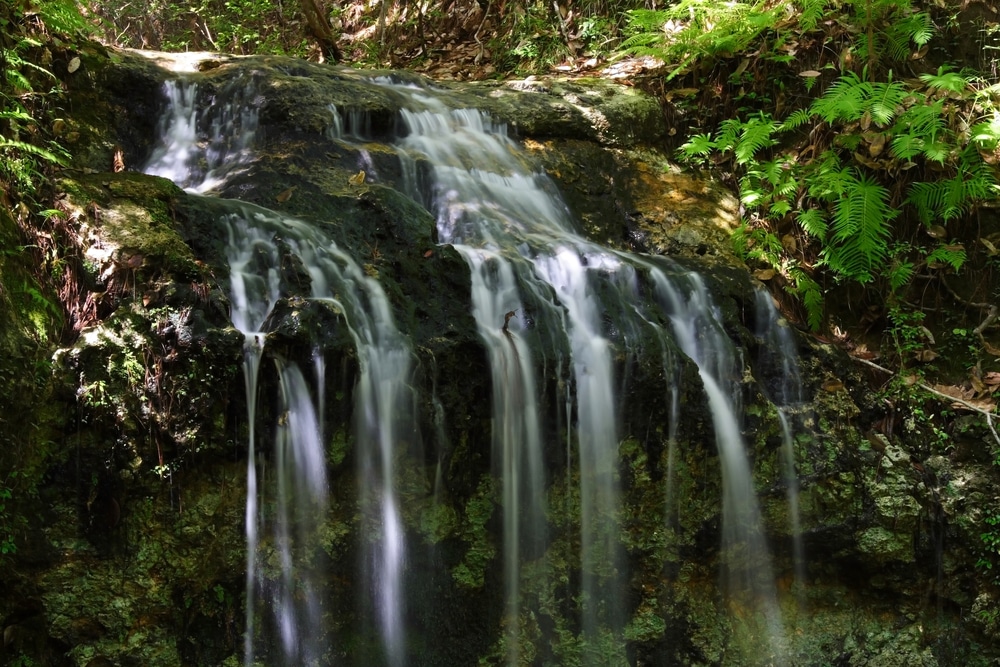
200	153
518	240
746	556
199	149
780	355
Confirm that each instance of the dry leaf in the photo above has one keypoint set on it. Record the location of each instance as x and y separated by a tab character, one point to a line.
764	274
833	385
74	65
285	195
429	253
809	74
992	379
925	355
937	232
991	249
876	146
358	178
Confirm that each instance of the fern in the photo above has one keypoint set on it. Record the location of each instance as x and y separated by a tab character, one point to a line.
31	149
814	222
949	198
844	100
946	80
795	119
884	99
861	230
916	28
952	255
754	135
698	145
811	12
807	289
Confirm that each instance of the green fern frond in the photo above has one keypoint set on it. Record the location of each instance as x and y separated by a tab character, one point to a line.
698	144
900	274
952	255
756	134
729	133
795	119
813	221
917	29
884	99
986	135
923	120
937	151
31	149
806	289
810	13
845	100
947	80
861	230
949	198
906	146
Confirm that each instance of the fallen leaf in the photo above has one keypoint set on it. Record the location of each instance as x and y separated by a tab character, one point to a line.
285	195
809	74
74	65
991	249
764	274
833	385
937	232
358	178
992	378
925	355
429	253
876	146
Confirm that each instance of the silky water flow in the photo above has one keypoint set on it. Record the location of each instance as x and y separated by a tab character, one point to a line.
536	284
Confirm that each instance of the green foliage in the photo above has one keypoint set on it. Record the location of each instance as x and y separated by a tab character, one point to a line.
692	30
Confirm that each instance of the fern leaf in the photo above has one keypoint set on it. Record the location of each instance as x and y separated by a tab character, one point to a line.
844	100
811	12
861	230
952	255
31	149
698	144
794	120
884	99
947	80
813	221
900	275
809	292
756	134
906	146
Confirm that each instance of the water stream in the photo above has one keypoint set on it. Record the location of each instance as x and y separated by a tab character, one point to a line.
536	284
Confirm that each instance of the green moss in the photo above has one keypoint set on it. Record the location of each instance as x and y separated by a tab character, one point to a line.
471	572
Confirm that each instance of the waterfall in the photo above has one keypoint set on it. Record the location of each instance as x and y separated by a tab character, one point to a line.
259	242
200	148
780	358
558	317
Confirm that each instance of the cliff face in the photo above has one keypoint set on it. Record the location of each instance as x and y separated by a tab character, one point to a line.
135	552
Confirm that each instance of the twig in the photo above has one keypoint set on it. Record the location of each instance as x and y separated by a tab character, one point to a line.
986	413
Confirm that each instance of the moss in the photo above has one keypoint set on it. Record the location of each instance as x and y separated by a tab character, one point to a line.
471	572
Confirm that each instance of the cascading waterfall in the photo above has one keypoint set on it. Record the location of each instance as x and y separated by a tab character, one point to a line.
516	234
779	352
257	238
199	149
698	332
536	285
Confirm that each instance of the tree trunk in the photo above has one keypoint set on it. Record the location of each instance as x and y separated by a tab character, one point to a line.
319	28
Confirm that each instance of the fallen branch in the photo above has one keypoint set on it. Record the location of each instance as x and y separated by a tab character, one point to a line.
986	413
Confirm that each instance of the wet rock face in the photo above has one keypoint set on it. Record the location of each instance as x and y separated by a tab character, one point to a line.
145	501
